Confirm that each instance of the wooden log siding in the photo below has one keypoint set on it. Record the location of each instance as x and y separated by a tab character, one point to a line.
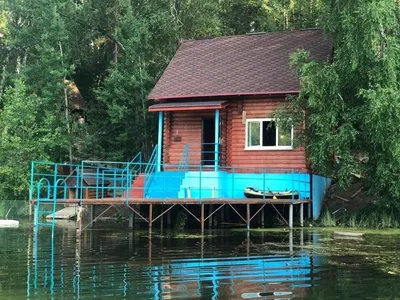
183	128
237	156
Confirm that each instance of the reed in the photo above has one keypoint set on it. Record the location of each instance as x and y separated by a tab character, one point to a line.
328	220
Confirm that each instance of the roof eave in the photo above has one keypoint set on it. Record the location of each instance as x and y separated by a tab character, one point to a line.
273	93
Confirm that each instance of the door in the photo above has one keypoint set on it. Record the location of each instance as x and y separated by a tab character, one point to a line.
208	142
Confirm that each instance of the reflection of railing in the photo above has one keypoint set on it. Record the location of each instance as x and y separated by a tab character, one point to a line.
66	268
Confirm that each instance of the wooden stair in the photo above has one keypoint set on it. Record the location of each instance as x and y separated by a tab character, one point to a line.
137	187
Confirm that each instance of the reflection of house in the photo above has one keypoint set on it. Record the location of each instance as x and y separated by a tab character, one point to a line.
234	276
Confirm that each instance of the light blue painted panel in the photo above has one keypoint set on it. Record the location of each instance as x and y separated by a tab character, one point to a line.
222	184
165	184
319	186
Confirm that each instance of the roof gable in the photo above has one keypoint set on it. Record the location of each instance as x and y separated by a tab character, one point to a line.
238	65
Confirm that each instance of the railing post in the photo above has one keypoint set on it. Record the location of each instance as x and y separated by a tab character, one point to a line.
159	144
216	141
264	183
292	188
31	188
200	185
233	181
31	183
81	181
97	182
55	180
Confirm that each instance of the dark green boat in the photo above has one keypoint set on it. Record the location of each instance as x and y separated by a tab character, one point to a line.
250	192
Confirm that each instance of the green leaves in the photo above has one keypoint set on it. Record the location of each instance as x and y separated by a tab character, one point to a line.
352	105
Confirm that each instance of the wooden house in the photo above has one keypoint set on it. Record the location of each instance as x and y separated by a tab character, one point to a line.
215	101
217	138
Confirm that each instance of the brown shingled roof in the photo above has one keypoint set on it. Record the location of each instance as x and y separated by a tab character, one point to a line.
255	64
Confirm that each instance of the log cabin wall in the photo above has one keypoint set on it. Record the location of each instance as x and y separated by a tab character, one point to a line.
240	110
181	128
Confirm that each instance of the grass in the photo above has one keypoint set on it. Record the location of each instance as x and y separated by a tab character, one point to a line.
372	220
328	219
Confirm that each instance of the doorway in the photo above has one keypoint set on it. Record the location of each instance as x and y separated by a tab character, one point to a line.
208	142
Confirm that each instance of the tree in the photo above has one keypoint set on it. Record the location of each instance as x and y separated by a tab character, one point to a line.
351	105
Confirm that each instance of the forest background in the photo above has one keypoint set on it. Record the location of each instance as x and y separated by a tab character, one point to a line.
114	51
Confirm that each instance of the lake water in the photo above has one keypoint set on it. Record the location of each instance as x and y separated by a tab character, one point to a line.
123	264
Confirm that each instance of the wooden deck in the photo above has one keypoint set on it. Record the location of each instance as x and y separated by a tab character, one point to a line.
183	201
195	207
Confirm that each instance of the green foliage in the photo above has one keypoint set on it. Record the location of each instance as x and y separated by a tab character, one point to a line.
22	139
114	51
350	107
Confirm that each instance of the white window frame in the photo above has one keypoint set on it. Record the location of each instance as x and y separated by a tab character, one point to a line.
247	147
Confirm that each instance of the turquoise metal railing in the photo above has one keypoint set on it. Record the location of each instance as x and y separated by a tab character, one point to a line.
108	179
205	154
150	170
184	160
44	190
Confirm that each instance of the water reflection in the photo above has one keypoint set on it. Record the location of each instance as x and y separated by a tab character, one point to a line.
126	265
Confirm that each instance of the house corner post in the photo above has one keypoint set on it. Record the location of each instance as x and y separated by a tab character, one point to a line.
160	140
216	141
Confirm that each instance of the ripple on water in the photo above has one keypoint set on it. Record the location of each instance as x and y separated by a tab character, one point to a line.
124	265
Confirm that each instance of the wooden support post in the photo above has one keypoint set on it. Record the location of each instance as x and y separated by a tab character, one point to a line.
210	220
291	241
131	218
202	218
79	220
222	217
92	214
248	216
309	210
169	219
301	237
301	214
162	218
150	217
291	216
263	217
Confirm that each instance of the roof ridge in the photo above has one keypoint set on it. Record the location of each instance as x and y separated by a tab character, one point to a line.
250	34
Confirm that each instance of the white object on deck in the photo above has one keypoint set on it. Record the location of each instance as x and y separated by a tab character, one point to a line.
66	213
9	223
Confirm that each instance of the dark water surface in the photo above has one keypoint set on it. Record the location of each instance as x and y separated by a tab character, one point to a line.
123	264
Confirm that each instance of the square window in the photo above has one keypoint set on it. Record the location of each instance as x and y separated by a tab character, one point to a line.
263	134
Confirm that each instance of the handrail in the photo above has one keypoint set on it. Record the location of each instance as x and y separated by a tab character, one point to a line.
184	160
150	169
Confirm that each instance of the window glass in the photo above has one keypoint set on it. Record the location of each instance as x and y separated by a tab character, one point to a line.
284	137
253	134
269	133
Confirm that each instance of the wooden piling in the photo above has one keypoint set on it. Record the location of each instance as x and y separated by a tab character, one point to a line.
210	220
150	217
79	220
291	216
202	218
248	216
131	218
169	219
301	214
263	217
